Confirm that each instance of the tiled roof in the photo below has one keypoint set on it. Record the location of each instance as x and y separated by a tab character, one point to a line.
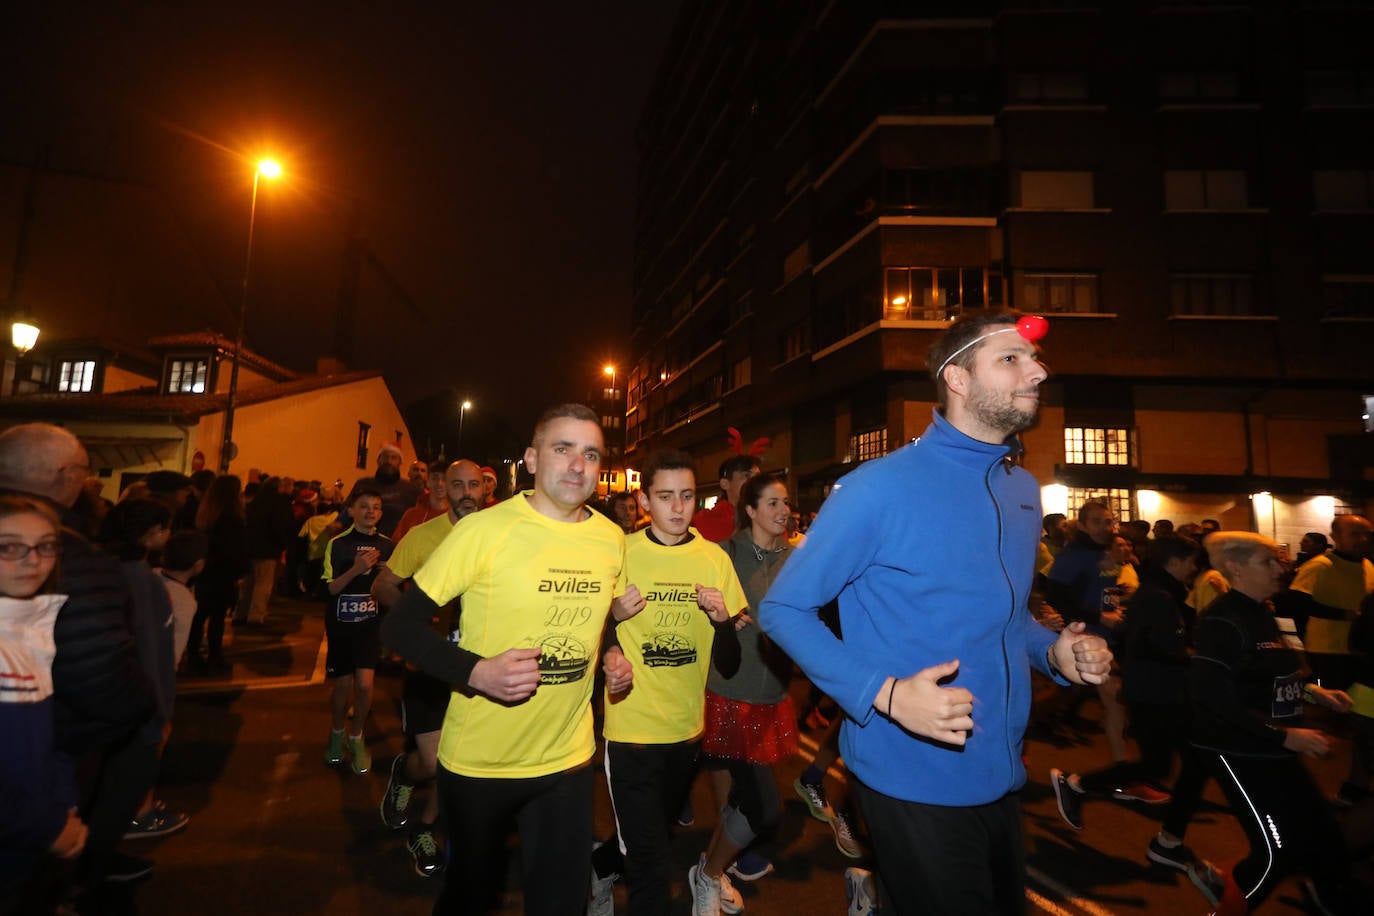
148	403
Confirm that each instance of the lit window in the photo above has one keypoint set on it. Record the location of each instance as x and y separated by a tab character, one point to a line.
938	293
1117	499
76	375
187	376
1097	445
867	445
610	421
1202	189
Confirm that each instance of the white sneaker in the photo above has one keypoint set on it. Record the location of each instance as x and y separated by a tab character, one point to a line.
602	901
705	893
718	896
859	891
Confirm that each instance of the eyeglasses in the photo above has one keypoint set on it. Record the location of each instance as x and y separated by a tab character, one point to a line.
18	550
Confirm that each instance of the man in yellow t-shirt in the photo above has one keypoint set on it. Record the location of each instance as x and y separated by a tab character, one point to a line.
681	595
424	699
537	574
1329	589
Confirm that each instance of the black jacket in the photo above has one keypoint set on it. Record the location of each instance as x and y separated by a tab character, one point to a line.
1155	640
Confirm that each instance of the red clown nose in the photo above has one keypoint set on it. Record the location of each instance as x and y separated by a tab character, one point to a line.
1032	327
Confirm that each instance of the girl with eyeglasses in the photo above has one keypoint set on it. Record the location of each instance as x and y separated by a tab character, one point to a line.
37	792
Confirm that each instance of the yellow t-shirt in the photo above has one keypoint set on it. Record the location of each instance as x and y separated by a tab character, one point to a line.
1335	582
527	580
416	546
669	642
411	553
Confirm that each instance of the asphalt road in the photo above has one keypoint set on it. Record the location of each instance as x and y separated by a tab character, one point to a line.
276	831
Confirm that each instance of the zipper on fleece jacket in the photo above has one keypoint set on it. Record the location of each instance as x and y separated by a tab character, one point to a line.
1001	562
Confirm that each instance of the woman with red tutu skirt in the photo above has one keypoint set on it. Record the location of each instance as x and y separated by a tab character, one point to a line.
750	721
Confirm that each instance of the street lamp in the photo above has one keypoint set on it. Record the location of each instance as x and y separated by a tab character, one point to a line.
609	369
462	410
23	332
266	168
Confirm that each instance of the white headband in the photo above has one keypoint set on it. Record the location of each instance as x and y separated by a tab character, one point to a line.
969	344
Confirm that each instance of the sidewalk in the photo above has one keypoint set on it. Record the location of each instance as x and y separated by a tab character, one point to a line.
285	651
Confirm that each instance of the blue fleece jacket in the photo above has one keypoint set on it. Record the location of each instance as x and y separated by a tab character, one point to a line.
931	551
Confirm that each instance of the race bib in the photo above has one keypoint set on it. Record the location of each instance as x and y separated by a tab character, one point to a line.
1287	700
356	608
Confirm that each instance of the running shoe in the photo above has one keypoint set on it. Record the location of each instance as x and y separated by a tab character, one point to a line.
333	754
1070	799
602	902
156	821
814	796
424	849
859	891
750	866
1209	879
1141	792
844	836
727	899
124	868
396	798
1178	857
362	757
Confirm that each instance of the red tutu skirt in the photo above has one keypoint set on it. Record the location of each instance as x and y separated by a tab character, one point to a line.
736	730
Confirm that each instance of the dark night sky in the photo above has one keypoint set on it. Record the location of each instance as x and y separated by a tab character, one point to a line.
490	147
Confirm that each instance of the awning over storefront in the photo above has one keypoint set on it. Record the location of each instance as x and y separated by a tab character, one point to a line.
131	451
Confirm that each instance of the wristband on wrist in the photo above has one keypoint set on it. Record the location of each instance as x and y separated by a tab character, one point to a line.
890	691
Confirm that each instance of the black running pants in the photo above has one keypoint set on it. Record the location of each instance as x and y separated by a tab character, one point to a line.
553	815
946	860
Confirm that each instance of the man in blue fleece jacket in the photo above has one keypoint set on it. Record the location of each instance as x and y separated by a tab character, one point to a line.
931	551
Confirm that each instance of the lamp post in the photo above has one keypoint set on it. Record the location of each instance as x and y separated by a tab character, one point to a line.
267	168
609	369
462	411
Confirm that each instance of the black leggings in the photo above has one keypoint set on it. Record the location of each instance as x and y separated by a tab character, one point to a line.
553	815
212	606
1288	823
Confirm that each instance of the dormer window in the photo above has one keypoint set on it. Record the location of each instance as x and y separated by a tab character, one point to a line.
188	375
76	375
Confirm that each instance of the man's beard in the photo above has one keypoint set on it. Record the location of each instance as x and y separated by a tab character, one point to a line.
1004	417
466	506
387	474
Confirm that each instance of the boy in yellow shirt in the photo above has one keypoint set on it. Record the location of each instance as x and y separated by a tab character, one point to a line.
677	610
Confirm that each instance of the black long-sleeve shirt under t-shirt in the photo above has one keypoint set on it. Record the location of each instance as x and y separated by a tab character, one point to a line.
1245	682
